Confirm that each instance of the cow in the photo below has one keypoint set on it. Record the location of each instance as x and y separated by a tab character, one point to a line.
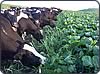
45	16
24	24
13	47
41	16
11	15
29	26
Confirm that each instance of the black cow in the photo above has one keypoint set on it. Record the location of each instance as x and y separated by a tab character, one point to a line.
13	47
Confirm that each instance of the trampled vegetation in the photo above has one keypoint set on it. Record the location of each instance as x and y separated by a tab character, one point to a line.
72	46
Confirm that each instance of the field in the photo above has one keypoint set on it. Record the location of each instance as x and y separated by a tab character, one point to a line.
7	6
71	47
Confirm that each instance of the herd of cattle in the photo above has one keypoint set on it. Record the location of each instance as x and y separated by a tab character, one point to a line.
15	24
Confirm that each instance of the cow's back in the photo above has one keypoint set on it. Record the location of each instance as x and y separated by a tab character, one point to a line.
8	38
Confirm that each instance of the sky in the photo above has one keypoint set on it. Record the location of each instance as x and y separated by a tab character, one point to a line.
65	5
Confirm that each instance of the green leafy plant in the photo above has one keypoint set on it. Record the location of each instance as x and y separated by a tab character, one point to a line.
71	47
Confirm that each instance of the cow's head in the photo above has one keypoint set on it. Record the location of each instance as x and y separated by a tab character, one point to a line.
30	57
30	28
18	11
55	11
47	18
38	35
36	31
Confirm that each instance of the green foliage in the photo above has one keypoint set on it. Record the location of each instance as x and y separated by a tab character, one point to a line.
72	45
87	61
16	67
